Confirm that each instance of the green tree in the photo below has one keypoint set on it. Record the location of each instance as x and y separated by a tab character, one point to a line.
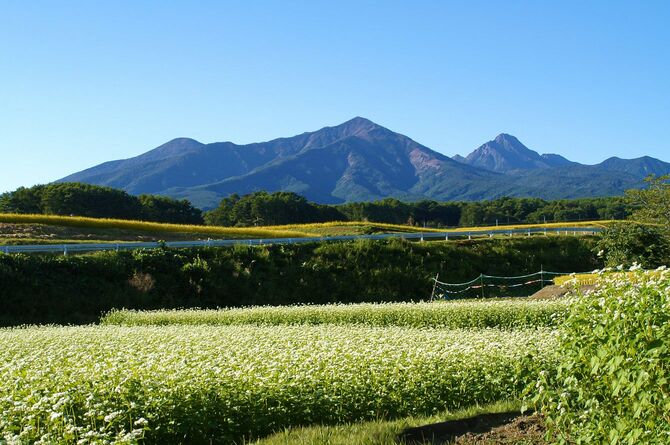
263	208
22	200
626	243
73	198
653	202
164	209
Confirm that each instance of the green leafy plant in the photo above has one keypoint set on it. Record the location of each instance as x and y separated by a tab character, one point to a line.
612	383
628	243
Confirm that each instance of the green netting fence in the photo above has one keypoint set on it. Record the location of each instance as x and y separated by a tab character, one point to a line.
492	286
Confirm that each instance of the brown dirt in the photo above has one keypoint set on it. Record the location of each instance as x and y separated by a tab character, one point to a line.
527	430
486	429
549	292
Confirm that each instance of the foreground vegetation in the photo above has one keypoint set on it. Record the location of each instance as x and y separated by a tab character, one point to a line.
500	313
196	384
595	365
612	382
78	289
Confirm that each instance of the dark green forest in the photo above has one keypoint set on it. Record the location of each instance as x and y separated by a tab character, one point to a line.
77	199
263	208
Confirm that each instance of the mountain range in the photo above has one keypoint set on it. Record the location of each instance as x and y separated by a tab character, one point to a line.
362	161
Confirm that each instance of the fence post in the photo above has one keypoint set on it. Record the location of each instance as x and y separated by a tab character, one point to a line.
481	283
64	249
432	295
541	277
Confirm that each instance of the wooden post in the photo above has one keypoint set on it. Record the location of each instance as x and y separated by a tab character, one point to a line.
481	282
432	295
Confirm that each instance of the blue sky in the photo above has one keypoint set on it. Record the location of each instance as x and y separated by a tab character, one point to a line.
86	82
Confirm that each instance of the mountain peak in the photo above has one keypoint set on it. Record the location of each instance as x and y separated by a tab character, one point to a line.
505	153
358	125
504	137
359	120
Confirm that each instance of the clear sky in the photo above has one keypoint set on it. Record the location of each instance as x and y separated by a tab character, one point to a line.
85	82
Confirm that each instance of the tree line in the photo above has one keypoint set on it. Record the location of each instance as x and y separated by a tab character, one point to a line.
263	208
266	209
77	199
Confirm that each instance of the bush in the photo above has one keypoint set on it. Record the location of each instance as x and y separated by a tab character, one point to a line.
628	243
612	382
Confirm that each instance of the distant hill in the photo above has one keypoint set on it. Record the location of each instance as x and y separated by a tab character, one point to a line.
361	161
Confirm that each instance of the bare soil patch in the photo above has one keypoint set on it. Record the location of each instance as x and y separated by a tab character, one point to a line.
486	429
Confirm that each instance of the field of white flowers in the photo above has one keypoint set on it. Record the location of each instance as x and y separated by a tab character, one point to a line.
220	384
503	313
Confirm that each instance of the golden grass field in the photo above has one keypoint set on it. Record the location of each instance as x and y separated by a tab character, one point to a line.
405	228
282	231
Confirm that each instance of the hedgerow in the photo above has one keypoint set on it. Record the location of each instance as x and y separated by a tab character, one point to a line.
80	288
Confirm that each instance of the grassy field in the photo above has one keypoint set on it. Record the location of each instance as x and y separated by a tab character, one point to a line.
500	313
43	229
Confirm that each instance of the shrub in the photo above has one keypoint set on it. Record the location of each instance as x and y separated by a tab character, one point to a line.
611	385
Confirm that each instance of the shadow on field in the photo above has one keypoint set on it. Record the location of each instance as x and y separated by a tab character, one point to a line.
445	432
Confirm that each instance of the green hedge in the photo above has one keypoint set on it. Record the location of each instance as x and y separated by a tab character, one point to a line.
612	385
78	289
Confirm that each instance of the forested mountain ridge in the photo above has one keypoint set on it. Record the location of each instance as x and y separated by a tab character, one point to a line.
360	160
